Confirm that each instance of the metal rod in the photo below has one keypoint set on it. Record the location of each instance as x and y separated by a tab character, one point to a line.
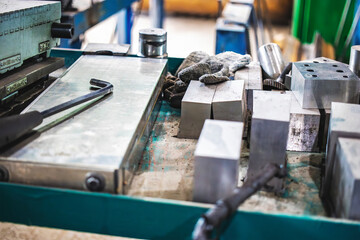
351	33
105	88
342	23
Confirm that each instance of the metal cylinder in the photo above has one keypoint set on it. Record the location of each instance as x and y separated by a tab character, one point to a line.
271	60
152	43
62	30
354	63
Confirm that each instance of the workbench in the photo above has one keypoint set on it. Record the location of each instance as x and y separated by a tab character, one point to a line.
158	203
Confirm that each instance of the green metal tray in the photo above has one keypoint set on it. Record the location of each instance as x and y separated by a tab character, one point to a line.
151	218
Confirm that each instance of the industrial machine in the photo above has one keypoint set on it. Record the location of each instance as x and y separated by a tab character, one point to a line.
28	30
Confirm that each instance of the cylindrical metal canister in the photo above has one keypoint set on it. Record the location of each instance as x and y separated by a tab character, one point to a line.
354	63
271	60
152	43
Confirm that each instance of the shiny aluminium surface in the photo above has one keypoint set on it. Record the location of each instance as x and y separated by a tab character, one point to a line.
217	159
344	122
106	138
195	109
345	183
269	133
271	60
317	85
354	63
229	101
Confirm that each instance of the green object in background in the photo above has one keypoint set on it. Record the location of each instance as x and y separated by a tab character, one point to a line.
323	16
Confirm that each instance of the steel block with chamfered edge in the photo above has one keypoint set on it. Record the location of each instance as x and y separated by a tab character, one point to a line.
304	127
345	183
217	158
195	109
269	133
229	101
252	76
317	85
344	122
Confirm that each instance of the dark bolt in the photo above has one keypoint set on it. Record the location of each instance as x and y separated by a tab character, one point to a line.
4	174
95	182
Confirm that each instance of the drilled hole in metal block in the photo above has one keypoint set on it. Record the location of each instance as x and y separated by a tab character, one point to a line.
325	60
315	61
334	65
309	70
306	65
345	76
339	70
314	75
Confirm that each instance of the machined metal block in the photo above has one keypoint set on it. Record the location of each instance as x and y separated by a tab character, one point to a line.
269	133
229	101
344	122
195	109
345	183
217	158
304	127
324	128
252	75
96	143
317	85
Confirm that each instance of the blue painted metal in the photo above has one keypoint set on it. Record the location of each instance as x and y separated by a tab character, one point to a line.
83	20
357	31
231	37
124	25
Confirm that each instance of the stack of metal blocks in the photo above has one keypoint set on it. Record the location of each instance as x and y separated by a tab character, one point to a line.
224	101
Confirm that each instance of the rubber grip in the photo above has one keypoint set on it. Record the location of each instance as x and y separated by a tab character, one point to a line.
13	127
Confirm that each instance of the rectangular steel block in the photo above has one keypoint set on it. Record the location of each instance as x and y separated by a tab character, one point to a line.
195	109
269	133
345	183
324	128
344	122
317	85
304	127
252	76
229	101
217	158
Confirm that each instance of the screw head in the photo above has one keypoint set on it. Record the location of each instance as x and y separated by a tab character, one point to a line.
95	182
4	174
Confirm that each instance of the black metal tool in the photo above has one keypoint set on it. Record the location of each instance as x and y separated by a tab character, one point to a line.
213	221
13	127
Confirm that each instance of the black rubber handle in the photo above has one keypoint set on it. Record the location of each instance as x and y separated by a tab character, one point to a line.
13	127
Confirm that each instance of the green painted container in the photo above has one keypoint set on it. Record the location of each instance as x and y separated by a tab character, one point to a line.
151	218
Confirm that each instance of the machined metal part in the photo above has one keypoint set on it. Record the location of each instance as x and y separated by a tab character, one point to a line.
271	60
317	85
217	218
229	101
345	182
252	76
217	159
354	63
344	122
106	49
195	109
25	31
107	139
12	82
324	128
304	127
269	133
152	43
